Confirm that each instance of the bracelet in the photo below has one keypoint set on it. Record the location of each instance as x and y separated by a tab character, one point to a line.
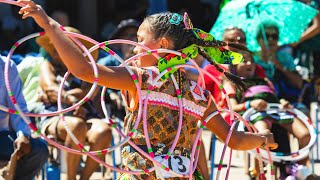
247	104
265	143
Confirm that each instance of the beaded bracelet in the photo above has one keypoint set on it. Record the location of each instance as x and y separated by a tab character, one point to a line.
247	104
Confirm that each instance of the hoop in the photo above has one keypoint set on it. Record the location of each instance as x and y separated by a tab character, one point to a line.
294	156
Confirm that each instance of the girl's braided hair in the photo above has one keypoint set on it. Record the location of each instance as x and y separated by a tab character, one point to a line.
181	37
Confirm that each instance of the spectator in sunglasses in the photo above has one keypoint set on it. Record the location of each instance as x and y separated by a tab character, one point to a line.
278	65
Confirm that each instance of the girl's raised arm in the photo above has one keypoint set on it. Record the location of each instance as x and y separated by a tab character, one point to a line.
71	55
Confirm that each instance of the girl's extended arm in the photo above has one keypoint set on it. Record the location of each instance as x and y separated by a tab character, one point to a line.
77	64
239	140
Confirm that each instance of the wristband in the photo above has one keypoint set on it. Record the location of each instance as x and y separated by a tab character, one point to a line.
247	104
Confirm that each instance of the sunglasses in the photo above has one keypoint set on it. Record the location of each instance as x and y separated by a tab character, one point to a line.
273	36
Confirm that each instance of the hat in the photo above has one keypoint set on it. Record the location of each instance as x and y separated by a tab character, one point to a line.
44	42
122	26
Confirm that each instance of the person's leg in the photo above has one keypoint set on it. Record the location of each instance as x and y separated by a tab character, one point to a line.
99	137
301	132
79	129
260	126
29	165
263	125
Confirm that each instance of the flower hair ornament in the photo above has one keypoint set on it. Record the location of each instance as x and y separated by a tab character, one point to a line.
176	19
219	54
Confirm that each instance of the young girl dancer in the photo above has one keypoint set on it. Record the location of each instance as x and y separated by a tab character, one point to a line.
167	31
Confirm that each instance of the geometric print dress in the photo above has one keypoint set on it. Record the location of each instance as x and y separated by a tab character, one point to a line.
163	119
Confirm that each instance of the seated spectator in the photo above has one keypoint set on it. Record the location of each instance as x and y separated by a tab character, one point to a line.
85	122
261	92
127	29
31	153
278	65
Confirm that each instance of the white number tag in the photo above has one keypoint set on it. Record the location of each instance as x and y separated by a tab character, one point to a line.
179	164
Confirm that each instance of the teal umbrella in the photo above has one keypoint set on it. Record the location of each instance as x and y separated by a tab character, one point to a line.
292	18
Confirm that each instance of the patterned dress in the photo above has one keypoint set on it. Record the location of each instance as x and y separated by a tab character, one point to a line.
163	118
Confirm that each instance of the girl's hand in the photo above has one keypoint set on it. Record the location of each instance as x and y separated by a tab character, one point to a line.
35	11
269	139
259	104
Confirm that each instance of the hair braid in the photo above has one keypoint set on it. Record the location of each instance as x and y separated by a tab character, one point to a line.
238	46
217	44
233	78
200	42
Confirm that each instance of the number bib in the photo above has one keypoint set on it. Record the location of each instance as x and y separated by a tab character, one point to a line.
178	164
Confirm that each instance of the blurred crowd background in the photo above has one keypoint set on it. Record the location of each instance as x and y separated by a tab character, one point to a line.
99	18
